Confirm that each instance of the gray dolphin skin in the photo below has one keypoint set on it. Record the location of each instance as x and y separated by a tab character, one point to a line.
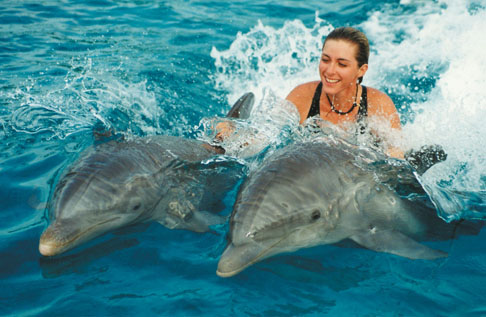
116	184
314	193
159	178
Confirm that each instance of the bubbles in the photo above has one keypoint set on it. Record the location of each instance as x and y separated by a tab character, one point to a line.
437	45
266	57
427	55
85	96
267	125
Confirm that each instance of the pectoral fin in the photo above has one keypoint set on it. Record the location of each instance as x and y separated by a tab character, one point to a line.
425	157
203	220
186	217
395	242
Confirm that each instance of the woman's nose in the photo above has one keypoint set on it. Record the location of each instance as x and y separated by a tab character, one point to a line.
331	69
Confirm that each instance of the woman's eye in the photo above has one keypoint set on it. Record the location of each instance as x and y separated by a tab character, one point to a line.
342	65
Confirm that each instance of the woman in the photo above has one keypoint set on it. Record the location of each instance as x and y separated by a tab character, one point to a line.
340	99
339	96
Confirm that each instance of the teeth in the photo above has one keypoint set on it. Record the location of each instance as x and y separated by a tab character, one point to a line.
332	80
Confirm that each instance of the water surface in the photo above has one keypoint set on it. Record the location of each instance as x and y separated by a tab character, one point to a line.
157	67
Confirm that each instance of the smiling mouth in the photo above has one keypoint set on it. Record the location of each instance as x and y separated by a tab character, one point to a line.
331	81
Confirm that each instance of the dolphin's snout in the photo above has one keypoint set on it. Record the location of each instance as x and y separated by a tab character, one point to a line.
47	249
236	258
48	245
57	238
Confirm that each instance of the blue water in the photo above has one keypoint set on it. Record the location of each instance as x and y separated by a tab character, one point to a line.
157	67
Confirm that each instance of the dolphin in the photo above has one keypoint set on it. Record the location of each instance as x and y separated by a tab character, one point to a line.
160	178
316	192
117	183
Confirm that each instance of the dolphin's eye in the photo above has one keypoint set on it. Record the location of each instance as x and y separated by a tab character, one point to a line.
187	216
137	206
316	214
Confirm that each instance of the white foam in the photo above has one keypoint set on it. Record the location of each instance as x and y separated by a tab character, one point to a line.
443	40
269	58
271	118
87	95
428	54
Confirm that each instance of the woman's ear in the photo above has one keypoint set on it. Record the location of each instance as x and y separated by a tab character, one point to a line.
362	70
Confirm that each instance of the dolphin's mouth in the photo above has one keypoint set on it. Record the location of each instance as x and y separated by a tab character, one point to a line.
237	258
54	240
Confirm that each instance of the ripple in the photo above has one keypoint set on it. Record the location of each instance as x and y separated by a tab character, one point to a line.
33	119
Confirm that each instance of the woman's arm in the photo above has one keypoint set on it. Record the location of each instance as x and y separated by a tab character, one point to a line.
301	97
382	107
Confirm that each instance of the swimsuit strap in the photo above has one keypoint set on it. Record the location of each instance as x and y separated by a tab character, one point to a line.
315	105
362	111
363	104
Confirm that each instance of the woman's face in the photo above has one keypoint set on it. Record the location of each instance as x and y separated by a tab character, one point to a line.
338	67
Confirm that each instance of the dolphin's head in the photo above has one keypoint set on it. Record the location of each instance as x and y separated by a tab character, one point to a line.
305	230
90	201
283	206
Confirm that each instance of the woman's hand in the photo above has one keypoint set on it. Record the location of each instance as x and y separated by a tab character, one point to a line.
395	152
224	129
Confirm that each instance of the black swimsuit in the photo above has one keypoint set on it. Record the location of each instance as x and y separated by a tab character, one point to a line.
362	111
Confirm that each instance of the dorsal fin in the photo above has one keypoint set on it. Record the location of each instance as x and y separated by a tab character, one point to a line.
242	107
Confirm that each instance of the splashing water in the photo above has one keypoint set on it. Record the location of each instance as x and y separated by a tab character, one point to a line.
148	67
427	61
437	48
86	97
269	58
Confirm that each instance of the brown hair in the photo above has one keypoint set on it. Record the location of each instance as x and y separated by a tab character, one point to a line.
354	36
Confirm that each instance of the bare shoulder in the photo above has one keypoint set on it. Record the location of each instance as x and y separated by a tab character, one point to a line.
380	104
301	97
303	91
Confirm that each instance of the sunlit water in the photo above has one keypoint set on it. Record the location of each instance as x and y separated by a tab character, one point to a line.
68	68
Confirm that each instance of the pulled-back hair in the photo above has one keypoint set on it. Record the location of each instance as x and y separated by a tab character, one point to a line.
354	36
